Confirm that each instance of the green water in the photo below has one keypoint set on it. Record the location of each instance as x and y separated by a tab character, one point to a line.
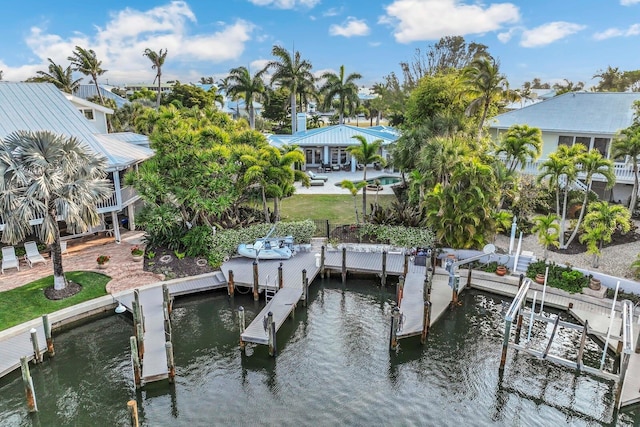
334	368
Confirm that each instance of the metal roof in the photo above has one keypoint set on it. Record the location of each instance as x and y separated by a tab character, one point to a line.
602	113
88	91
41	106
338	135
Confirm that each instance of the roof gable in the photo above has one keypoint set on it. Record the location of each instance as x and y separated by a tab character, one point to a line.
576	112
338	135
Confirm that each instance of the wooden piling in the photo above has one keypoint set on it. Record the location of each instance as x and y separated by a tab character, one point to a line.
241	323
583	340
135	361
505	343
171	365
518	326
399	290
469	276
395	321
32	404
454	291
231	285
306	294
37	355
426	322
383	279
322	258
280	276
304	287
256	294
167	322
47	334
140	339
624	364
344	266
406	265
132	409
272	334
134	311
167	298
426	288
520	280
136	296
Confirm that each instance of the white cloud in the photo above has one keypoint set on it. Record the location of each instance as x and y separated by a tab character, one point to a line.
629	2
286	4
549	33
633	30
121	42
350	27
504	37
416	20
334	11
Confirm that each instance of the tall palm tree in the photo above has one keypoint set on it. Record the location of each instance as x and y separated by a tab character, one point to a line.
344	88
353	188
628	144
521	144
292	73
87	63
241	83
365	153
485	85
48	176
61	78
157	61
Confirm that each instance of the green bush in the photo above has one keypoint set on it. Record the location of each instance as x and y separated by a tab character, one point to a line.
397	235
197	241
564	278
635	299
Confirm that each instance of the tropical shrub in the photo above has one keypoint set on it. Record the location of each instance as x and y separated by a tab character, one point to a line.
407	237
564	278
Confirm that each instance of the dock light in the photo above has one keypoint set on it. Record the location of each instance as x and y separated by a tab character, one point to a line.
120	308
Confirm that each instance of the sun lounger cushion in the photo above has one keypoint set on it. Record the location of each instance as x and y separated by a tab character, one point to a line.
33	255
9	258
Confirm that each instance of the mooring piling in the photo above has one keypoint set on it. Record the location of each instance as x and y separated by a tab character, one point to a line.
399	290
140	339
132	408
271	326
167	321
533	310
241	323
344	266
505	343
256	295
230	285
322	258
426	322
395	323
455	283
383	278
37	355
405	267
46	325
469	276
171	365
306	294
135	361
280	276
583	340
166	297
32	405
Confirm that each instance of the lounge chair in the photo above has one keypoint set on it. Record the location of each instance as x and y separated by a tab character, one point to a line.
316	182
33	255
314	176
9	258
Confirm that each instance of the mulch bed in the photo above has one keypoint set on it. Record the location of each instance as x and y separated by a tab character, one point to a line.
166	262
70	290
617	239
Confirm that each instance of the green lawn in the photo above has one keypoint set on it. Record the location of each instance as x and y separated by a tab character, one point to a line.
336	208
28	302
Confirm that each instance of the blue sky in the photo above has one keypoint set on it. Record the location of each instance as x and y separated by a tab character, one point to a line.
551	40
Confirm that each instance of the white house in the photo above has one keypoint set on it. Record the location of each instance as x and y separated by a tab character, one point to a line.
589	118
42	107
325	147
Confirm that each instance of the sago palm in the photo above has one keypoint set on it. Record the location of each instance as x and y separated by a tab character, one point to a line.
547	229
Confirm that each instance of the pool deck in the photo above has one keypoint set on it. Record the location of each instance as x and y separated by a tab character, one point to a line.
332	186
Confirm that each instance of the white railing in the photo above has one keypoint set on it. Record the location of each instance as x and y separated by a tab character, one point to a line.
622	171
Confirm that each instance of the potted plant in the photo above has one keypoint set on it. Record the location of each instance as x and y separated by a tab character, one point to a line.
501	270
539	278
594	283
137	253
103	261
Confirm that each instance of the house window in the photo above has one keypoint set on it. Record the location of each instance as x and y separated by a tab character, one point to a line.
602	145
565	140
88	113
584	140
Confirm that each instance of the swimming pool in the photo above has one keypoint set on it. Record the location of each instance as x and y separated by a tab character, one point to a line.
383	180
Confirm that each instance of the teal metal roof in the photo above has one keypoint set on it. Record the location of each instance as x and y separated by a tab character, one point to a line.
41	106
339	135
88	91
602	113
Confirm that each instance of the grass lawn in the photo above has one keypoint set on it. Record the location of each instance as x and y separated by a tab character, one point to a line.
28	302
336	208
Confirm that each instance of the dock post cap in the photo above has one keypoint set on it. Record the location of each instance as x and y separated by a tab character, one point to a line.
33	331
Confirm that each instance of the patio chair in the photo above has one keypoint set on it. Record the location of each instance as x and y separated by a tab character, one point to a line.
315	176
9	258
33	255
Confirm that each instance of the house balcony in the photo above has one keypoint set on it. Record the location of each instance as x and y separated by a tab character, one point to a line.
622	171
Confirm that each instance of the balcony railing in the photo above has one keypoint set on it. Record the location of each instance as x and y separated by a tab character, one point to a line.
622	171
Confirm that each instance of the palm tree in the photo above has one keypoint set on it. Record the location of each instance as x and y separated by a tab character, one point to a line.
157	61
592	163
548	230
336	85
485	85
87	63
240	83
600	223
365	153
521	144
628	144
290	72
61	78
353	188
49	176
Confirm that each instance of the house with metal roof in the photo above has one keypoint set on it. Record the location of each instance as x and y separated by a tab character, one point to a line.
42	107
589	118
325	147
89	91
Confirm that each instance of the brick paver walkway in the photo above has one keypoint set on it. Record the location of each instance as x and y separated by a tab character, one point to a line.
124	272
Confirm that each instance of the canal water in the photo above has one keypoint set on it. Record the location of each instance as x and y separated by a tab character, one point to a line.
333	368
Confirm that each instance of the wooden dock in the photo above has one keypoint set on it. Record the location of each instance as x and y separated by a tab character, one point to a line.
17	346
281	306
